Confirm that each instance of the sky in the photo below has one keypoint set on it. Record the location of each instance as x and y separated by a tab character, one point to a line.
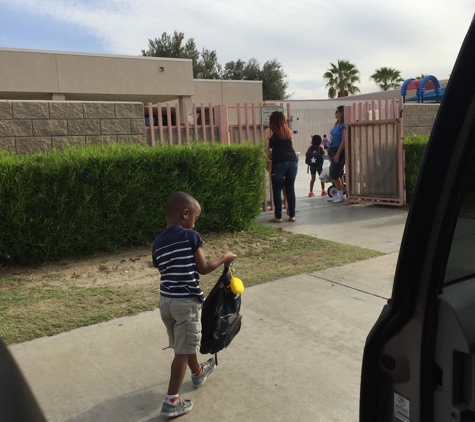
305	36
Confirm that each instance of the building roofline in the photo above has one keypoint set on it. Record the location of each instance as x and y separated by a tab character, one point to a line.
226	80
74	53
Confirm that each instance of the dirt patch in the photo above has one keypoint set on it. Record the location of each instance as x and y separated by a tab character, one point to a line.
131	267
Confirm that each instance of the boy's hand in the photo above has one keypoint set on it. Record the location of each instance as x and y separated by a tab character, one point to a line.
228	258
205	267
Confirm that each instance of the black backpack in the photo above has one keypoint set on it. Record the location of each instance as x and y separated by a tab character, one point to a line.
220	317
314	155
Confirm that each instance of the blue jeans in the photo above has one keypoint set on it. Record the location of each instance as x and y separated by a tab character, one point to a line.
283	175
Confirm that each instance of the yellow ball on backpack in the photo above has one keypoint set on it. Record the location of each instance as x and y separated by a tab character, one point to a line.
237	286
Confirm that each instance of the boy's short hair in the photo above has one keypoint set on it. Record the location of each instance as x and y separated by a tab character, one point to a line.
179	201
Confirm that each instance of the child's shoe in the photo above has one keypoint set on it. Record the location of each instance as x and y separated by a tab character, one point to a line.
324	192
180	407
206	369
311	194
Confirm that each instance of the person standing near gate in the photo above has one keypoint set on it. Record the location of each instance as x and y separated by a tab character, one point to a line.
325	143
336	154
284	164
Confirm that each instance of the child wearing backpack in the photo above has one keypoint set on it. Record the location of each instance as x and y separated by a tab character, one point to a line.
314	159
178	254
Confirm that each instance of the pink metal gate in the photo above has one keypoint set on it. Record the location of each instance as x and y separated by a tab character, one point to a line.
375	153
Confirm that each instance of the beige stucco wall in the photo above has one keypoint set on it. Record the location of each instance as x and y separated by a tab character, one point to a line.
28	74
47	75
227	92
28	126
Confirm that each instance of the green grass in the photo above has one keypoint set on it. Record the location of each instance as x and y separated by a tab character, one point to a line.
266	254
28	313
53	303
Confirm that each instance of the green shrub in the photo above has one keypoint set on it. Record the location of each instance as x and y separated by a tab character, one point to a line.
415	148
86	199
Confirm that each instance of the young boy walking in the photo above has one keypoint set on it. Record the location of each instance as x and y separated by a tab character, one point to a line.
177	253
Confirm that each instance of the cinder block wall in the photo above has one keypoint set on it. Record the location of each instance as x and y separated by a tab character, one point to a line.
28	126
419	118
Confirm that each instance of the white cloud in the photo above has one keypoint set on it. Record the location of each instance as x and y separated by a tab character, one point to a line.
415	37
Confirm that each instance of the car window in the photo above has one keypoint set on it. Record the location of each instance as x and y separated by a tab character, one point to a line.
461	262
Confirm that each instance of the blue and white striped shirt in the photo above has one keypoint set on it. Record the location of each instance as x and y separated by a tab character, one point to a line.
172	254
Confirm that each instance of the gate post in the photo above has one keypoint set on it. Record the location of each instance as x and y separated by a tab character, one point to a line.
183	101
222	122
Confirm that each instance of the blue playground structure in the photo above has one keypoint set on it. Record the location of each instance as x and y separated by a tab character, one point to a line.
436	94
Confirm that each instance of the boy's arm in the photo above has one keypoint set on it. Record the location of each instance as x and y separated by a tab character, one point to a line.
205	267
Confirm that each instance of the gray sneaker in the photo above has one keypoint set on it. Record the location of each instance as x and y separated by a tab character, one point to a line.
208	367
180	407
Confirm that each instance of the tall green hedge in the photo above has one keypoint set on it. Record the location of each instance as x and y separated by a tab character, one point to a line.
415	148
86	199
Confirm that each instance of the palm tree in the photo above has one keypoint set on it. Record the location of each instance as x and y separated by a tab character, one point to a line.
387	78
341	79
422	76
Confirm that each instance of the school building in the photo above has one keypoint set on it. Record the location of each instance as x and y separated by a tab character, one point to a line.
49	98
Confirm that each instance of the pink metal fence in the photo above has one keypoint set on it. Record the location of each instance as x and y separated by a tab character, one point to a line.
245	118
375	152
170	123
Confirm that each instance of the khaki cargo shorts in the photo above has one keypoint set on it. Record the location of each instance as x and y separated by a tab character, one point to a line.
182	318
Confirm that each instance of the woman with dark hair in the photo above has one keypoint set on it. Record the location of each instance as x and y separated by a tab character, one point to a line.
336	154
284	164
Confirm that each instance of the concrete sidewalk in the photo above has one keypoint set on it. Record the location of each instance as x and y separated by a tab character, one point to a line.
297	358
